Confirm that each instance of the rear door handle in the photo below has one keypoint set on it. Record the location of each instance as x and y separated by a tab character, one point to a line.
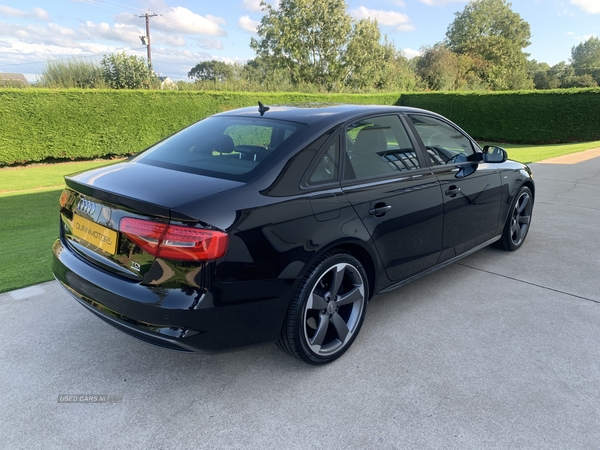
453	191
380	211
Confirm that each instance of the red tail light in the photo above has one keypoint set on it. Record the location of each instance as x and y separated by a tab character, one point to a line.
174	241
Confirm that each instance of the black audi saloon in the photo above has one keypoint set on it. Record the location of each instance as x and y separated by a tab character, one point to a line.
280	224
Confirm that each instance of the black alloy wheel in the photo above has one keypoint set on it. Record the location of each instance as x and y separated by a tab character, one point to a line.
518	222
328	310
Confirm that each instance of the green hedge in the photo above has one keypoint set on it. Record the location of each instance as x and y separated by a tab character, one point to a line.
40	124
528	117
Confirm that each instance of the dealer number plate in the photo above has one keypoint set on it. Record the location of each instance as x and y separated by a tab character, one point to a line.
97	235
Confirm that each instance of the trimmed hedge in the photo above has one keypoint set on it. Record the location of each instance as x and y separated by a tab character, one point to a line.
39	124
526	117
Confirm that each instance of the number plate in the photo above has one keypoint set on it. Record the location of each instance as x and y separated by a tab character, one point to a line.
95	234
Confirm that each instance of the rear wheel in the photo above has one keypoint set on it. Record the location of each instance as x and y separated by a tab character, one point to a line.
518	221
327	311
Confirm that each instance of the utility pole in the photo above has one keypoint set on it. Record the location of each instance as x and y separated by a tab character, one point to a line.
147	40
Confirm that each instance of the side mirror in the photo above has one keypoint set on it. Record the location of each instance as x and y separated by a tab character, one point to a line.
492	154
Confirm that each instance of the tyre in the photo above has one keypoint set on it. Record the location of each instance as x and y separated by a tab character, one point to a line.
327	311
518	221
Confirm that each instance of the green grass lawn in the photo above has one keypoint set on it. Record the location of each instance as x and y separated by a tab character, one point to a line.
29	220
28	228
29	211
528	153
43	176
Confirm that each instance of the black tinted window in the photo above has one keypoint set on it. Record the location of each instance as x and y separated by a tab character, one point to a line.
379	146
326	169
444	143
223	147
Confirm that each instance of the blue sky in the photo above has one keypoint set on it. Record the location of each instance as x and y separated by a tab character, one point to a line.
187	32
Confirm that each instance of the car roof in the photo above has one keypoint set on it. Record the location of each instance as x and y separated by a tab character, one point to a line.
313	113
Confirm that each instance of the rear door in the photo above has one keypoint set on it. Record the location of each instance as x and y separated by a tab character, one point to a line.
395	195
471	189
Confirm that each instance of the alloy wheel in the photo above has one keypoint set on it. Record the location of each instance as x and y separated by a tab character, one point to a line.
333	309
520	218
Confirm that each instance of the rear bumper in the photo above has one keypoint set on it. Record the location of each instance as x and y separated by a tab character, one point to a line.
209	321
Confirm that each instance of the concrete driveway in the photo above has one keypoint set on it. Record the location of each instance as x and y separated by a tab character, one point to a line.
501	350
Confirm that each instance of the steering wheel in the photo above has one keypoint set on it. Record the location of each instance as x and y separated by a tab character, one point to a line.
432	140
436	155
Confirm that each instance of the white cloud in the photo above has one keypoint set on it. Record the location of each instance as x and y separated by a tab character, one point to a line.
63	31
208	44
168	39
585	37
441	2
410	53
120	32
589	6
251	5
399	21
215	19
246	23
180	20
52	34
35	13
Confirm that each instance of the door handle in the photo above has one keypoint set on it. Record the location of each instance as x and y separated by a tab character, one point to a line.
453	191
380	211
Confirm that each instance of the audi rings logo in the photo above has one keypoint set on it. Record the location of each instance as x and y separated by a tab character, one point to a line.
85	206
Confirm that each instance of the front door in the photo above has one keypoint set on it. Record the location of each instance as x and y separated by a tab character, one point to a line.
471	188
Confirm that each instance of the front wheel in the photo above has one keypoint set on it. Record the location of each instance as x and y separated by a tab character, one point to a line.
327	311
518	221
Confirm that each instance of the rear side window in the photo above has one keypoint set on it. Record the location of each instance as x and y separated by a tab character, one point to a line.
223	147
379	146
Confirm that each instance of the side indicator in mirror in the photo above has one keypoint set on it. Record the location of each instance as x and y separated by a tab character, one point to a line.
493	154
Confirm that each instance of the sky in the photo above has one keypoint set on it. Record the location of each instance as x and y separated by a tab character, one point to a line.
186	32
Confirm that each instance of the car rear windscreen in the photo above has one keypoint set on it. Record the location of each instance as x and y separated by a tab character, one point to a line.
224	147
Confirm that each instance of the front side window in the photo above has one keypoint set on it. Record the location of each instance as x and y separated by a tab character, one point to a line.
223	147
444	143
379	146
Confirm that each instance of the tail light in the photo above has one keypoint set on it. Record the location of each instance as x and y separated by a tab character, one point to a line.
174	241
64	197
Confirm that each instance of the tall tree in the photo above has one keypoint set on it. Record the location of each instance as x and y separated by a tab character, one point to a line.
443	70
538	72
318	43
585	58
126	72
307	37
490	31
212	71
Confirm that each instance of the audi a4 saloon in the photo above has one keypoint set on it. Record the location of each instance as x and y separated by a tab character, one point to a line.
280	224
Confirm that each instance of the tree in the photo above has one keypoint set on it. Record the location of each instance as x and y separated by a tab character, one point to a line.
560	75
438	67
397	72
212	71
317	42
538	72
585	58
488	30
126	72
443	70
306	37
